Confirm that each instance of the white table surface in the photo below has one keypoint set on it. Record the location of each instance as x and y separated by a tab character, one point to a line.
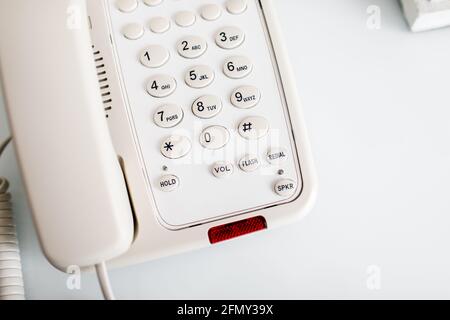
377	105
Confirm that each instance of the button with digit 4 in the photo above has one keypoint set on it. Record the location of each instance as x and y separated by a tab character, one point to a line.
199	76
237	67
207	107
285	187
222	169
160	86
154	56
253	128
249	163
175	147
230	37
168	115
168	183
245	97
191	47
214	137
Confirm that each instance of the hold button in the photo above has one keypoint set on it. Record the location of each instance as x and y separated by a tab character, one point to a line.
169	183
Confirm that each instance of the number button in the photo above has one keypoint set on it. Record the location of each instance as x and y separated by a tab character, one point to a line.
207	107
199	77
245	97
175	147
192	47
214	137
230	37
168	115
161	86
237	67
154	56
253	128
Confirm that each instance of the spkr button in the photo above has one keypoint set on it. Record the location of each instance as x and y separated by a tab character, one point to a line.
285	187
161	86
230	37
253	128
175	147
222	169
169	183
191	47
168	115
154	56
245	97
237	67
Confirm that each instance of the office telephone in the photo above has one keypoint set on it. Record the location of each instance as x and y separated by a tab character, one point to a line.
146	128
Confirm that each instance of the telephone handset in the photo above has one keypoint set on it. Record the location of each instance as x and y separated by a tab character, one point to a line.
145	128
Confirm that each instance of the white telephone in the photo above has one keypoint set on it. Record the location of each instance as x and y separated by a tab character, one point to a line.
146	128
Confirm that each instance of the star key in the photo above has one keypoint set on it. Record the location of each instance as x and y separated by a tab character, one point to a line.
175	146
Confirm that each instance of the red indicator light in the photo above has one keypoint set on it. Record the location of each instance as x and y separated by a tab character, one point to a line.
236	229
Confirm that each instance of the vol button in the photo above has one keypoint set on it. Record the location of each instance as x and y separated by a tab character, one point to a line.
222	169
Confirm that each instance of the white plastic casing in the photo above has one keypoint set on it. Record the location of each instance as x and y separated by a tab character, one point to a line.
154	238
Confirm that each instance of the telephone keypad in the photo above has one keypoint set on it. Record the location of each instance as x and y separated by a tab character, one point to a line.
227	120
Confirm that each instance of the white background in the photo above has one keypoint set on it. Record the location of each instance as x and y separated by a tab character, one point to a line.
377	105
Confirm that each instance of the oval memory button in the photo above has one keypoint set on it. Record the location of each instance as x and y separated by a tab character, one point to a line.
230	37
168	115
168	183
253	128
207	106
175	147
159	24
185	18
199	76
160	86
211	12
191	47
214	137
237	67
245	97
154	56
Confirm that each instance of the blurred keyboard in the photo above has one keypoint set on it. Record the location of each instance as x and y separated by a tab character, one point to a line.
425	15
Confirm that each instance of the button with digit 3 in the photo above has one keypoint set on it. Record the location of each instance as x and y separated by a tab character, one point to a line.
230	37
192	47
237	67
168	115
245	97
160	86
214	137
199	76
207	106
154	56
